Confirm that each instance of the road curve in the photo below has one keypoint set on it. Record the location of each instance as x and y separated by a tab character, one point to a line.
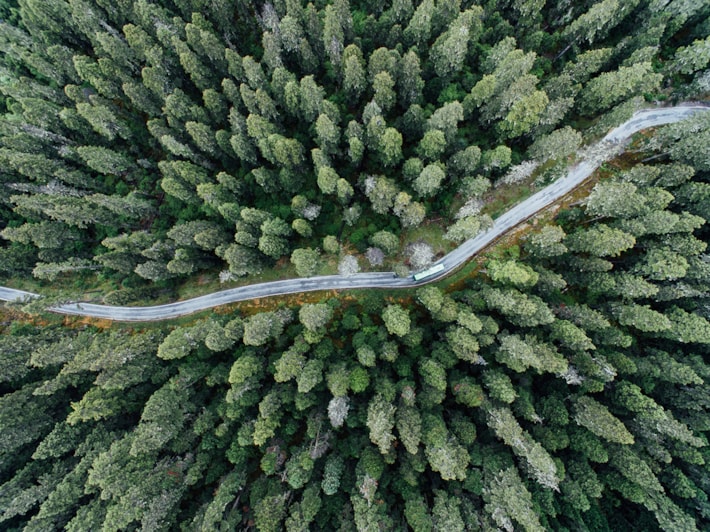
511	218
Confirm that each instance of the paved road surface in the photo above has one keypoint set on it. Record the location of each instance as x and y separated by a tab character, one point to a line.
519	213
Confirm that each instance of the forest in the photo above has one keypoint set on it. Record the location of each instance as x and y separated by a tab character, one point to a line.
559	385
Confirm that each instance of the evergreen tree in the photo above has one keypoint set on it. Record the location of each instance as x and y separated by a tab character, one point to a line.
562	387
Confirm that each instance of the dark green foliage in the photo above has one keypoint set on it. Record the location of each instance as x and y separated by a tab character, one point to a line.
566	389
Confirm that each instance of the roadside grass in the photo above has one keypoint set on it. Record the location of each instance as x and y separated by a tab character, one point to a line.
431	232
11	316
77	283
501	199
208	282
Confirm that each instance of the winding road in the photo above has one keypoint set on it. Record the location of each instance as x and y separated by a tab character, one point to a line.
513	217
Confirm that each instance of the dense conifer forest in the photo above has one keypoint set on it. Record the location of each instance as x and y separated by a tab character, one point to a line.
563	385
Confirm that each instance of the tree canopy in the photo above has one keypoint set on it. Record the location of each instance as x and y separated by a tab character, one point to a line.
563	385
